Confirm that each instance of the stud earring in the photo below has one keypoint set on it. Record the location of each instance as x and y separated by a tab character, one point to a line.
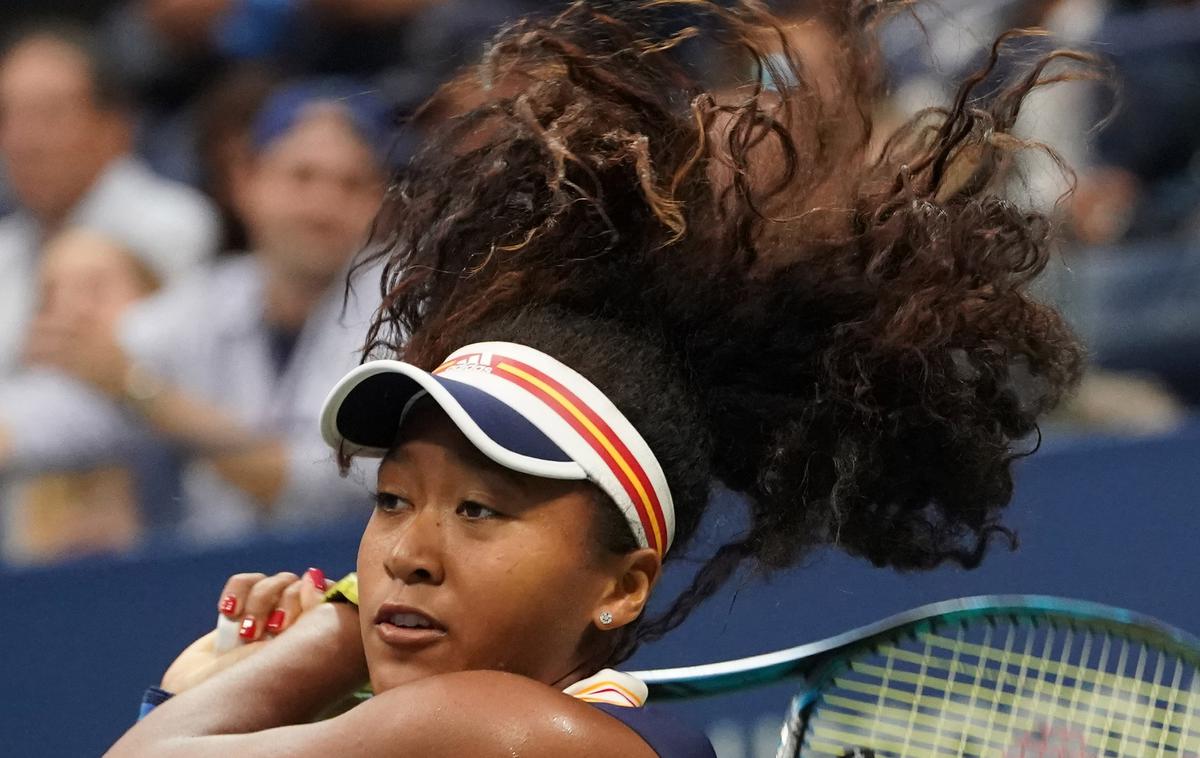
605	618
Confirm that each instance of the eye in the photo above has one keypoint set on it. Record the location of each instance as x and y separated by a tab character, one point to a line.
476	511
389	502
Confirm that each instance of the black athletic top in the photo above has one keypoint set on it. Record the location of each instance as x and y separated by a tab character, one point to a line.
668	736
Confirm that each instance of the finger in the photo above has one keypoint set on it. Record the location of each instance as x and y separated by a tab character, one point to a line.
263	598
288	610
173	678
312	590
233	597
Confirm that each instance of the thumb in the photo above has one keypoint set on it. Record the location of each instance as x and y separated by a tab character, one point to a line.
312	588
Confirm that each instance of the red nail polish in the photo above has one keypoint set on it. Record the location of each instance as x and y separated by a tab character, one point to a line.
228	605
317	577
276	620
249	625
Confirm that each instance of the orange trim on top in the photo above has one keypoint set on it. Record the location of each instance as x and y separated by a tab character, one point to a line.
609	686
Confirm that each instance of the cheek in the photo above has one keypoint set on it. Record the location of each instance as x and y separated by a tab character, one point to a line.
524	610
367	208
370	557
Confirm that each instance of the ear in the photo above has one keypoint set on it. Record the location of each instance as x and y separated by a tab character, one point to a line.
627	595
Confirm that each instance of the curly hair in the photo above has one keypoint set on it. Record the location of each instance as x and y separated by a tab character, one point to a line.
838	328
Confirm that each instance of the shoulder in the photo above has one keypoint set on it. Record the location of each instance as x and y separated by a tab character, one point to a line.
168	220
488	713
130	178
213	300
226	283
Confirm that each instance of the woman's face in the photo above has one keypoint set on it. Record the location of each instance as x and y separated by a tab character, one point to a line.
85	273
466	565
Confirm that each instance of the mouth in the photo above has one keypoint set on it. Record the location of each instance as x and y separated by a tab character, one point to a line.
402	626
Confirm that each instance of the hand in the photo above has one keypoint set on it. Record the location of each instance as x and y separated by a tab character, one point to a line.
82	347
262	608
1102	205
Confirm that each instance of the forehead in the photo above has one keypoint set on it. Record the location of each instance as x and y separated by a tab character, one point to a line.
46	65
81	244
75	254
323	133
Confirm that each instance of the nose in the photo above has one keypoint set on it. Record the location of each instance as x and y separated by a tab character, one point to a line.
416	553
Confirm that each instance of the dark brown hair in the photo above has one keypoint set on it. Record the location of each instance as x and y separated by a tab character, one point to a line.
834	326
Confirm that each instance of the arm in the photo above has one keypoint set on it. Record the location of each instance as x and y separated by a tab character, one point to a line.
50	422
251	461
260	706
292	477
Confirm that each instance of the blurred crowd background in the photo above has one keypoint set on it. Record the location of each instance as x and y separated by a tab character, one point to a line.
184	183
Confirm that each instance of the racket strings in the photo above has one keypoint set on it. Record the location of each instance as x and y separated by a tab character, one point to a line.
1037	690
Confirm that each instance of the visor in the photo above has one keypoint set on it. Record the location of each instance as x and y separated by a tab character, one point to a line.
521	408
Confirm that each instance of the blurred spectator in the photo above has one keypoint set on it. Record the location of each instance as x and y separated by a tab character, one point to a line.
65	140
224	119
175	51
1129	279
81	274
232	367
1149	156
1137	177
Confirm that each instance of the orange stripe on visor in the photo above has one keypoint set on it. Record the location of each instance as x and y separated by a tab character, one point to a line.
523	409
634	478
602	439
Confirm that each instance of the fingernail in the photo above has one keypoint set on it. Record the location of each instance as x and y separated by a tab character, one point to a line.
317	577
275	621
249	625
228	605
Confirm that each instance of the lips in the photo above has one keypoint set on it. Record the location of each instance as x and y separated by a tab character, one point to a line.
404	626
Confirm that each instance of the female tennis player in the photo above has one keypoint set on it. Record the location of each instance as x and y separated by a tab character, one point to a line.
608	291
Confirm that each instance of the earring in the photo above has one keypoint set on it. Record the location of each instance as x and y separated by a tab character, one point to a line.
605	618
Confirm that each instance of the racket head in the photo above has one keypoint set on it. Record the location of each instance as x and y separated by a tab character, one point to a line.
1004	676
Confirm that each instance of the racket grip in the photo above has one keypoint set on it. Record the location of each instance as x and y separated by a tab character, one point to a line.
227	634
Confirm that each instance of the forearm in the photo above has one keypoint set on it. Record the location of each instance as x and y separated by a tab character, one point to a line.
260	472
53	423
254	463
290	681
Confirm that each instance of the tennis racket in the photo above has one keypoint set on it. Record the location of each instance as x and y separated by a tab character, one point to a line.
1007	676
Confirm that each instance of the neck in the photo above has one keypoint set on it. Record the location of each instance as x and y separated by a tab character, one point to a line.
112	148
594	658
52	219
290	300
575	675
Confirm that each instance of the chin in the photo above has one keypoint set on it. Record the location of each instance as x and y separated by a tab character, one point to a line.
388	673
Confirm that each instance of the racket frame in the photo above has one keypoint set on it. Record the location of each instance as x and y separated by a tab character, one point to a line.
803	661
